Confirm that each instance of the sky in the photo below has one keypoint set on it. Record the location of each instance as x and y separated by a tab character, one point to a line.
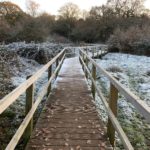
52	6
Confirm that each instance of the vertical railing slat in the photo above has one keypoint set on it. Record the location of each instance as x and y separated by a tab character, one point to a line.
29	104
49	75
94	77
57	62
113	106
86	62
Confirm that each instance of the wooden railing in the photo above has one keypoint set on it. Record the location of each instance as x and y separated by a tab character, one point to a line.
111	106
26	126
113	125
99	53
96	51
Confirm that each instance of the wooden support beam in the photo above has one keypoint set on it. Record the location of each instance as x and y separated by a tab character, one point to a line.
92	52
61	58
57	63
94	77
49	75
82	58
28	107
86	62
113	106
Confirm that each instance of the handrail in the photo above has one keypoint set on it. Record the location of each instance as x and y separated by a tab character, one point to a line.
11	97
111	108
136	101
25	86
114	120
12	144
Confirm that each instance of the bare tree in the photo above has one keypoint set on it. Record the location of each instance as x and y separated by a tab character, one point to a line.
32	7
84	14
68	15
99	12
69	10
127	8
7	8
10	11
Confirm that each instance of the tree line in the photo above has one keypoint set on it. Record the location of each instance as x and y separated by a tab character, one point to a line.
117	18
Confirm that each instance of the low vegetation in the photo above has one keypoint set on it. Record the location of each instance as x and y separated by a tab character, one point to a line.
135	40
114	69
123	23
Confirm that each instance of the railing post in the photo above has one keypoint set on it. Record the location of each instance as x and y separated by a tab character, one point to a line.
80	56
94	77
62	61
93	52
29	104
113	106
86	62
83	61
49	75
57	62
86	50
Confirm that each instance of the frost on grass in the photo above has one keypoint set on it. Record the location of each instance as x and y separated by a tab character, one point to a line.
17	61
134	75
135	72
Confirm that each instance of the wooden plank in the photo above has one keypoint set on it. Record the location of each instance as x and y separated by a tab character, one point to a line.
136	101
11	97
112	117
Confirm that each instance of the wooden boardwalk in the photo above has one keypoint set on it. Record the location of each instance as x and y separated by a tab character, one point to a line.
69	120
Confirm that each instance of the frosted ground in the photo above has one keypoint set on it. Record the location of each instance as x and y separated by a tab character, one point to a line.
25	61
134	73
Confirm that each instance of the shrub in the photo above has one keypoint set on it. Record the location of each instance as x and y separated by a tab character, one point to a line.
114	69
135	40
148	73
